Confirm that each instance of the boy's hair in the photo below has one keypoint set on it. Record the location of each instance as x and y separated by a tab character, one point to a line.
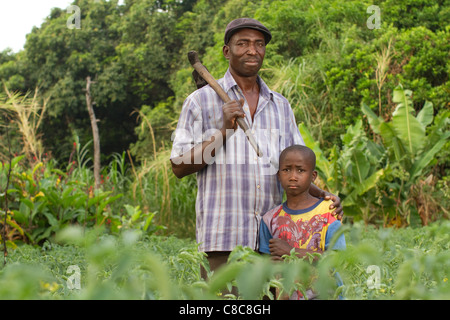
302	149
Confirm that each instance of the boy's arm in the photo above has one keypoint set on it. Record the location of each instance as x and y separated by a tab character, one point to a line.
339	243
279	247
264	238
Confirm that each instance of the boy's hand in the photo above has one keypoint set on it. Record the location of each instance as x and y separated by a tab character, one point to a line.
278	248
339	212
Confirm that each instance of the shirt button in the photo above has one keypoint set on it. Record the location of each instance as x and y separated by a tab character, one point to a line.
258	186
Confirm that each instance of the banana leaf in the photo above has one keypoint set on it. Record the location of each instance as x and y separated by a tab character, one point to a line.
409	129
322	162
427	156
391	141
373	119
362	188
425	116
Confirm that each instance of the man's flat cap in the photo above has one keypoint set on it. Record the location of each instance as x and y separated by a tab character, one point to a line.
246	23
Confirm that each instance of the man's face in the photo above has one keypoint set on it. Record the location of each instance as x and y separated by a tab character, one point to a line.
245	52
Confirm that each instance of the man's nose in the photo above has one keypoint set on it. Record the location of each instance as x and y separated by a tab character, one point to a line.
252	49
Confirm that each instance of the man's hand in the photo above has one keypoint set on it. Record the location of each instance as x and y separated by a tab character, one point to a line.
231	111
319	193
339	212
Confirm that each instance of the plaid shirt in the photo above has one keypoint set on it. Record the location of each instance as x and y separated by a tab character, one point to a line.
237	185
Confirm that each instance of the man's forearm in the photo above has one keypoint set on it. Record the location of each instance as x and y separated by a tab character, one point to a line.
316	191
199	156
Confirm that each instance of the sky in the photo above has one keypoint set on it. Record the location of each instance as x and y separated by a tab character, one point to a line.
17	18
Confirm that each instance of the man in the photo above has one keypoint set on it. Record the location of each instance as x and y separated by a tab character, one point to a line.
234	185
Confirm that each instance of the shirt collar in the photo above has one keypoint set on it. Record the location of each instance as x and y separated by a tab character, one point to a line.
229	82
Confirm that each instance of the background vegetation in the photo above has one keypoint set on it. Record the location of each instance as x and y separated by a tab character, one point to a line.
372	103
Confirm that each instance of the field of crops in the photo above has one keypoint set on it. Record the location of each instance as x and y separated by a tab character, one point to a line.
377	264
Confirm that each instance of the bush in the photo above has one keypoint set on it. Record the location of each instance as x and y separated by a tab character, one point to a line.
44	199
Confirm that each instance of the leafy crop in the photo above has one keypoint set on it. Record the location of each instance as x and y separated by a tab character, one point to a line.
410	264
44	199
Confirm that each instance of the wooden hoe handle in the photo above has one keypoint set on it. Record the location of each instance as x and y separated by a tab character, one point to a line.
200	68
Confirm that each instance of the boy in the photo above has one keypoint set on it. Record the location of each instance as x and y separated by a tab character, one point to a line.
303	222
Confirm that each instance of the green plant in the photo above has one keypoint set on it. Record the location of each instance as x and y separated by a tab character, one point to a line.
138	220
379	175
411	263
411	145
156	188
44	199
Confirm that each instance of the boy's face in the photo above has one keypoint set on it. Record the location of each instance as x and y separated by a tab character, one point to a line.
296	173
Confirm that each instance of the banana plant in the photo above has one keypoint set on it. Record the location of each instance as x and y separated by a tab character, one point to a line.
411	144
392	162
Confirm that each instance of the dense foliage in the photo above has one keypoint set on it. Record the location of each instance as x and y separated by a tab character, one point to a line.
323	57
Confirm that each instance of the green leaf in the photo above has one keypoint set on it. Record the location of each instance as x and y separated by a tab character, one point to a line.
28	203
370	182
373	119
425	158
425	116
409	129
251	280
322	162
50	218
16	160
391	140
360	166
148	221
222	276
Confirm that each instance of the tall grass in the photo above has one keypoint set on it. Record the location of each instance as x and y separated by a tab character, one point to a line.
156	187
25	113
301	82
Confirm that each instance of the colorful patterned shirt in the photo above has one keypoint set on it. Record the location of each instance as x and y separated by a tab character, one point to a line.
236	186
311	228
